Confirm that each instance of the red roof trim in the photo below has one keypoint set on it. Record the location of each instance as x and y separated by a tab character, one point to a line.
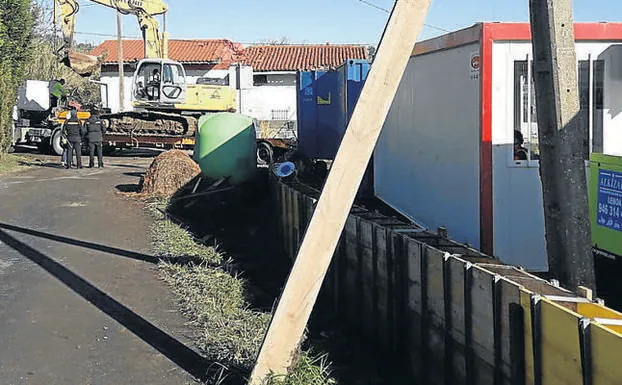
583	31
513	32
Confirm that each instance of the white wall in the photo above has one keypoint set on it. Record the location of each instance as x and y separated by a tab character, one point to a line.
112	80
612	127
258	102
426	163
519	235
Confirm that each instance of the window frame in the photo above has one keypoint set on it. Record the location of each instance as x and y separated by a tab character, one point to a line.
594	80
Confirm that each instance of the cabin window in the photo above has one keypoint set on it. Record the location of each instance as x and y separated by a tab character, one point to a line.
591	87
260	80
214	81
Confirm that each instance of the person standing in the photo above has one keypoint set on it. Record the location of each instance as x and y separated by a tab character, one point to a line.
95	131
73	131
59	93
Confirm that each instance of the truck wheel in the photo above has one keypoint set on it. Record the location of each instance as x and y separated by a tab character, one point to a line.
265	153
55	143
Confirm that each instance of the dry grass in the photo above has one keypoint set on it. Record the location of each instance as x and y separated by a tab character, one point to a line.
308	371
10	163
215	302
169	172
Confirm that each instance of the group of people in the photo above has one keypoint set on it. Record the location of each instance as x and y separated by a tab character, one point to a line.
74	133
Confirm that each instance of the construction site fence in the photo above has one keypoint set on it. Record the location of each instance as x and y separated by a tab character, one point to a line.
452	314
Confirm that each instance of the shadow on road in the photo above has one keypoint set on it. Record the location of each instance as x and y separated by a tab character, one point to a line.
87	245
180	354
137	174
128	188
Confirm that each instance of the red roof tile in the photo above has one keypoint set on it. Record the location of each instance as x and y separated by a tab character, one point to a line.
261	57
184	51
301	57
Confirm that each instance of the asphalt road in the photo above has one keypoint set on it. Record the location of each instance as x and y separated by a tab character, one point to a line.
80	300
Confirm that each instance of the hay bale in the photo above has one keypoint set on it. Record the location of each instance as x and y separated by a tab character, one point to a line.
169	172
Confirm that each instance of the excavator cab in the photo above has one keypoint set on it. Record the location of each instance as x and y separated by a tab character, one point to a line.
159	82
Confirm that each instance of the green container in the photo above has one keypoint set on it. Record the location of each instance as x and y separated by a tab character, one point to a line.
226	147
606	204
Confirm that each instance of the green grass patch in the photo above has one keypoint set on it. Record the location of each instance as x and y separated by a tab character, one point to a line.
10	163
308	371
215	302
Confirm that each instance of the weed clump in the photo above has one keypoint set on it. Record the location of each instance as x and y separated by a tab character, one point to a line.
214	299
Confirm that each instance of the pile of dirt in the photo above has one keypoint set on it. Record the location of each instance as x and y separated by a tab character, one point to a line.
168	173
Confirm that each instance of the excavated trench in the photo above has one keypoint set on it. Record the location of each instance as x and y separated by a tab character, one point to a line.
242	222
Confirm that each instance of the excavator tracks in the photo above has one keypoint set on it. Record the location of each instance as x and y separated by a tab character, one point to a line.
150	123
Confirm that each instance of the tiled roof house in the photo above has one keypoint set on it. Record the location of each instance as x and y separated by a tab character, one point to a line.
222	53
267	91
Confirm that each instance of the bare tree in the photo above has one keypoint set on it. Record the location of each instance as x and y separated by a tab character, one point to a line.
284	40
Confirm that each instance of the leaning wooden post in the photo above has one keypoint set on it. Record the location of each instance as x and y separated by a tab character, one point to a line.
315	254
561	133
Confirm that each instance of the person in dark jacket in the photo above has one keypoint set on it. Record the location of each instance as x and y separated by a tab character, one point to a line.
72	130
95	131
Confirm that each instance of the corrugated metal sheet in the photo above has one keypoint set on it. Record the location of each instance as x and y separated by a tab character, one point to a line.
325	102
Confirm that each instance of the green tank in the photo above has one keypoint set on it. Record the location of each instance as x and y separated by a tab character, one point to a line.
226	146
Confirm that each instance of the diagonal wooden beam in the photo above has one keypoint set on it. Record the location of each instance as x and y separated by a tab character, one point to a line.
319	244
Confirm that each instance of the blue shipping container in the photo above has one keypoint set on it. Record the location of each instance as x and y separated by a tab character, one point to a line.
326	101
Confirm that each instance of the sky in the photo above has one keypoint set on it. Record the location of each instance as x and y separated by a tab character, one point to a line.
316	21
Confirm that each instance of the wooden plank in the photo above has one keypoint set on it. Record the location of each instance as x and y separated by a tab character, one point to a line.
434	316
350	274
283	212
510	298
288	222
367	279
525	301
482	323
297	232
456	314
561	354
305	280
415	306
400	296
382	285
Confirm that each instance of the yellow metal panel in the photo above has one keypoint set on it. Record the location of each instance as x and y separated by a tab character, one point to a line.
561	349
82	115
606	353
525	302
593	310
202	97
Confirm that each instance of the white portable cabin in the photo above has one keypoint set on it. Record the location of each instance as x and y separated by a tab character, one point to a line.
446	155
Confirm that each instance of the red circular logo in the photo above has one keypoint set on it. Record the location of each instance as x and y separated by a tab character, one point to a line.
475	62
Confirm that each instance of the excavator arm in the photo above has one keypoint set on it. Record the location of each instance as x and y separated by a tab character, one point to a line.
145	10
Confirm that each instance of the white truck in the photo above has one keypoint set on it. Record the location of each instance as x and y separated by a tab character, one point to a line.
31	117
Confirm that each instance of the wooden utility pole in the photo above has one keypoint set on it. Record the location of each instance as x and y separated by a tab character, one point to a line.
561	135
319	244
121	72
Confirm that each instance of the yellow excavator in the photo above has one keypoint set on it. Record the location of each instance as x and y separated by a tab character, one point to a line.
164	104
